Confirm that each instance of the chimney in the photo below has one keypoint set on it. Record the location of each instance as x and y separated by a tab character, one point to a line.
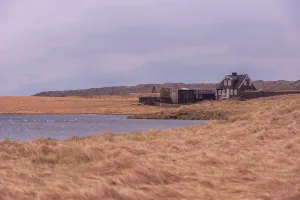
234	73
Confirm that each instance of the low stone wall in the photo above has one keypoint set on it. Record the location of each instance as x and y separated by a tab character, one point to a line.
165	100
258	94
152	101
149	100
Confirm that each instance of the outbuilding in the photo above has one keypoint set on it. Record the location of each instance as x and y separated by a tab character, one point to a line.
202	95
182	95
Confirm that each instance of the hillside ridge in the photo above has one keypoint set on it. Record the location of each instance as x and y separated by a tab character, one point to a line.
279	85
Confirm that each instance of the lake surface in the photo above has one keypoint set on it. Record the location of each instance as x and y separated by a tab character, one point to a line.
28	127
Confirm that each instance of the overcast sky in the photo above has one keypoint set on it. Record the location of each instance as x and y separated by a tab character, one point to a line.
72	44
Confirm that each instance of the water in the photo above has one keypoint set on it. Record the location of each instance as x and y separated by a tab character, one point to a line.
28	127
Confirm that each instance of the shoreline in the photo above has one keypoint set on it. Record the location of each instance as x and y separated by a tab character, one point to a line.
48	136
185	113
145	116
75	113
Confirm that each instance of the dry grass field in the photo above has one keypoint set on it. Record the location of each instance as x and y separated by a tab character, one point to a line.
255	154
73	105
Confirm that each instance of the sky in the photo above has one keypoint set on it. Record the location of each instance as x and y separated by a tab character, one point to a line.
74	44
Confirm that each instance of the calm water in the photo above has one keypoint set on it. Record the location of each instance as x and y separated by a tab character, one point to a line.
27	127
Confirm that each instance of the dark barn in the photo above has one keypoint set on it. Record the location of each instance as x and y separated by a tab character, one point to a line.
182	95
202	95
186	96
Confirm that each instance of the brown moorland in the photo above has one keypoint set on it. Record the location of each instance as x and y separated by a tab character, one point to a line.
252	155
74	105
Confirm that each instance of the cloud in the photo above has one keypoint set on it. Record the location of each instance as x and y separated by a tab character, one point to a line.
70	44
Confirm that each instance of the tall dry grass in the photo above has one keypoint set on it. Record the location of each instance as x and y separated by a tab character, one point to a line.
252	155
74	105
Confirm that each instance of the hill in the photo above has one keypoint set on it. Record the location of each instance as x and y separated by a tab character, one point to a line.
146	88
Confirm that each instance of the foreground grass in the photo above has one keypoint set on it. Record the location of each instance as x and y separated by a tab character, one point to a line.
252	155
73	105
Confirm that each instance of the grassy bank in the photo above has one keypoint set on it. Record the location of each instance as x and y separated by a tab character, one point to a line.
217	110
184	113
211	110
252	155
73	105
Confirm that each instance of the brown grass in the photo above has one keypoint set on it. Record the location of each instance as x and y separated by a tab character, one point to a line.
74	105
201	111
252	155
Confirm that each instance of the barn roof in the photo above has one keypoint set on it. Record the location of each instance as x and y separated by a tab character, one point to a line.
179	88
205	91
239	77
184	89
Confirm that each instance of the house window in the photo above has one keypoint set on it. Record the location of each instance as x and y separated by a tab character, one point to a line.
235	92
223	92
219	92
226	82
245	83
229	82
231	92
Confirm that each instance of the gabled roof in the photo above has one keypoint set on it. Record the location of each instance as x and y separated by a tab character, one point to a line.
165	89
239	80
164	92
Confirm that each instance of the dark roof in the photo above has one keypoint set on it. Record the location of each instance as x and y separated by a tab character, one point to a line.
239	80
179	88
205	91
